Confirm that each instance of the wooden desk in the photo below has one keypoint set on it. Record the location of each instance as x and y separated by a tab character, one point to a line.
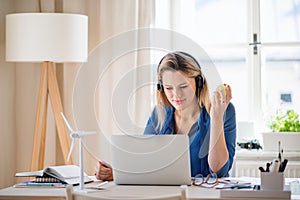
11	193
136	192
112	190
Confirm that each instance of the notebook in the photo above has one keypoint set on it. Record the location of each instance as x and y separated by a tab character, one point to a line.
151	159
68	174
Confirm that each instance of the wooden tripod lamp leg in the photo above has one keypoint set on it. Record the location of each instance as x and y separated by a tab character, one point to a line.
48	85
57	109
38	150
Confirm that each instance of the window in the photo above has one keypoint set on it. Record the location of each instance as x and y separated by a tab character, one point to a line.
264	75
280	20
280	78
220	29
280	55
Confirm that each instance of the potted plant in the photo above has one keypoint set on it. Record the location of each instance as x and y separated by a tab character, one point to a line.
285	122
285	128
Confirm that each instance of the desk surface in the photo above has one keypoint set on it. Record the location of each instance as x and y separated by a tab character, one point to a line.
114	191
111	190
137	192
33	193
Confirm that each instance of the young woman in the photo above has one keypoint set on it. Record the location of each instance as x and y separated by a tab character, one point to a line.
184	107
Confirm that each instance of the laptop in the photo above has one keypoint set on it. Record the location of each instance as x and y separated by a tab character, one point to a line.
151	159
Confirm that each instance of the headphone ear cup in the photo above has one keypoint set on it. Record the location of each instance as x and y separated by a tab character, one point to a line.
199	82
160	87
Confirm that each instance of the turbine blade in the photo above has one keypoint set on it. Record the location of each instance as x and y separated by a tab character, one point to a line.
66	122
83	133
71	149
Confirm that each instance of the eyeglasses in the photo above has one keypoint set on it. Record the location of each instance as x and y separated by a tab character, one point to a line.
211	180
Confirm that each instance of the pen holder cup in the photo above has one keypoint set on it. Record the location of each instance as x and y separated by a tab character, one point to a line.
272	180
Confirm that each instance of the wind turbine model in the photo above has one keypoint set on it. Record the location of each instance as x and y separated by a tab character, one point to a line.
73	135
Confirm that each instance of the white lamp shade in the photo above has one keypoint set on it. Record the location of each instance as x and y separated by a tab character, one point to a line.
38	37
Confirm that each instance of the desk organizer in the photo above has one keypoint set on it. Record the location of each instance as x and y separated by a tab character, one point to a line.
272	181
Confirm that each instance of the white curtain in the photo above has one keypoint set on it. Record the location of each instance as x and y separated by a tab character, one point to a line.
111	92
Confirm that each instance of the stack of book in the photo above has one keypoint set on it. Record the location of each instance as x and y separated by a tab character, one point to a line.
54	176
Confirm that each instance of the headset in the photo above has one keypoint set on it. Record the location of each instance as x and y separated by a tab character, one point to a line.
199	80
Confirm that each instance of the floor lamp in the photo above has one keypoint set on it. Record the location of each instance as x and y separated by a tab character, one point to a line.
47	38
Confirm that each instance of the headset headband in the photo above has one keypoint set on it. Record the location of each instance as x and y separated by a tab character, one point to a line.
200	81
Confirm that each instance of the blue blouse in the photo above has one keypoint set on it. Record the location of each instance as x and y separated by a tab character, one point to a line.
199	140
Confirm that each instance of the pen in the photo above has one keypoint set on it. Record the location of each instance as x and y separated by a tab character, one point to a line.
236	186
261	169
283	165
102	183
39	184
268	167
279	153
240	187
98	187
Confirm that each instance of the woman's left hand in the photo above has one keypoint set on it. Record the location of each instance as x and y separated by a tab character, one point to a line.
220	100
218	152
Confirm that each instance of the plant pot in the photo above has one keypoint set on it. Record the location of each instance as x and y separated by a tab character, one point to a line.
289	141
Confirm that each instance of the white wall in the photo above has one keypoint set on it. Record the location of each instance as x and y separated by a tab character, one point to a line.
19	84
7	105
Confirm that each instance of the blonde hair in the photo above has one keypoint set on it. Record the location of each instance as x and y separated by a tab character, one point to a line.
187	65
